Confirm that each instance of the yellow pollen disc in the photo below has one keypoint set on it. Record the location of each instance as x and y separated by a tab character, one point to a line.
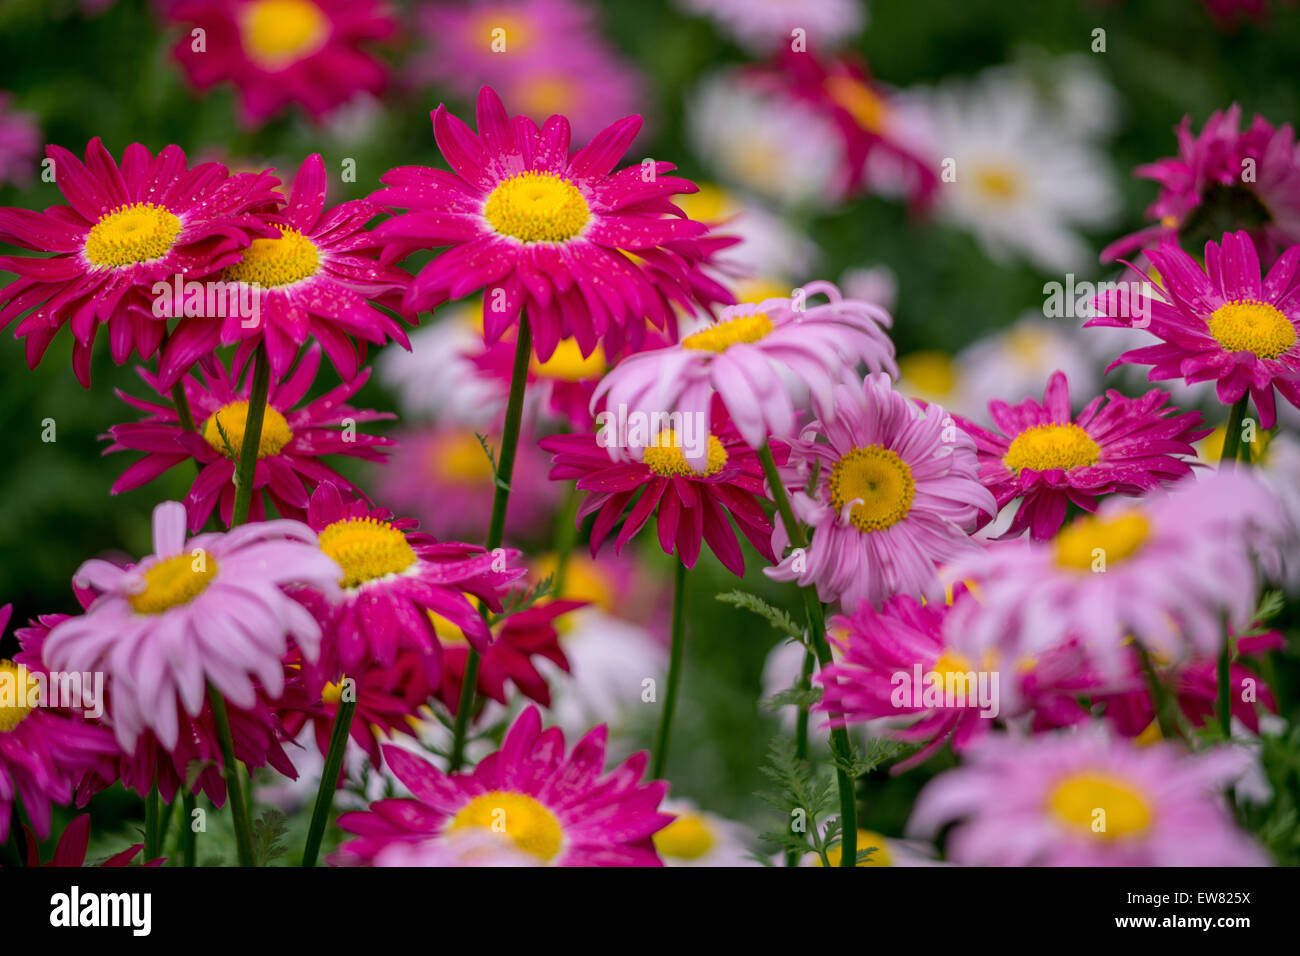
174	581
445	630
271	263
332	693
1117	538
880	856
547	96
232	419
1043	447
755	290
929	371
536	206
951	664
568	365
688	837
1211	446
708	204
366	549
999	183
1250	326
584	580
1151	735
459	458
746	329
18	690
880	479
277	33
1077	799
665	457
859	101
529	825
500	32
126	235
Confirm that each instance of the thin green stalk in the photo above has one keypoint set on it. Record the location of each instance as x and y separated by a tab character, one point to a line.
1160	699
246	467
675	657
816	615
182	403
234	785
16	836
801	728
329	780
188	838
497	525
1233	449
566	539
151	818
1232	436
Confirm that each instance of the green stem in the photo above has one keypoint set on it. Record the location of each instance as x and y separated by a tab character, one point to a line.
246	468
1233	449
182	403
675	657
1160	701
566	539
151	817
16	836
801	727
234	786
329	780
497	525
189	839
1232	436
1225	686
816	615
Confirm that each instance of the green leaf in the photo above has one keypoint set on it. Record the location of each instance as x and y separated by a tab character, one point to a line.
268	829
778	618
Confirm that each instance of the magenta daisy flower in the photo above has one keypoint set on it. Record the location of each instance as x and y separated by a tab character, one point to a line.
393	576
586	253
1220	323
762	359
538	797
44	750
312	53
1204	186
294	439
1087	799
897	495
125	229
1165	569
315	279
20	143
1048	458
208	610
692	506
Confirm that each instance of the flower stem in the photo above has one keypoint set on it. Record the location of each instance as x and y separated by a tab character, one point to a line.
566	539
189	839
1233	449
674	673
234	786
801	727
329	780
816	616
1232	435
496	527
1160	701
246	468
152	837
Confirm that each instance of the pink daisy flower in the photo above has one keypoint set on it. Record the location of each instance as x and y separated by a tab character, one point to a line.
293	442
44	750
761	26
312	53
125	229
897	495
1220	323
1047	458
556	805
316	278
1165	569
1086	799
692	505
20	143
208	610
585	253
392	577
1203	186
762	359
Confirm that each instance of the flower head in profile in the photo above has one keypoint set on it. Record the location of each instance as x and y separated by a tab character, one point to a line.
896	496
1087	799
1220	323
585	252
124	229
212	610
295	438
763	360
1047	458
312	53
558	806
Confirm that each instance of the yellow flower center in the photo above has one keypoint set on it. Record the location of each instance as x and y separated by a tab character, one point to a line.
277	33
860	101
998	183
446	631
547	96
1043	447
951	665
746	329
332	693
227	424
688	837
138	232
1211	446
366	549
174	581
880	482
529	825
1250	326
880	856
509	32
459	458
537	206
568	365
271	263
18	690
1100	804
1116	538
929	371
665	457
584	580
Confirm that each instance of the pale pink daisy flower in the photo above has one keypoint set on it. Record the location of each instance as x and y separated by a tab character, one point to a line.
761	26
